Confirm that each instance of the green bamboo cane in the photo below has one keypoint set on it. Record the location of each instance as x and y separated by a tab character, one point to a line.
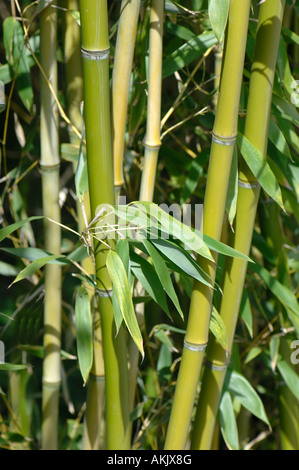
95	53
256	130
74	88
224	135
122	68
50	163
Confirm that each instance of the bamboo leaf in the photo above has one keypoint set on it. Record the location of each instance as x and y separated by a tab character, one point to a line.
188	52
223	249
232	192
12	367
290	377
227	419
192	239
278	139
148	277
7	269
33	267
218	14
17	58
181	258
84	332
33	254
260	168
6	231
218	329
121	286
163	274
283	294
239	386
122	249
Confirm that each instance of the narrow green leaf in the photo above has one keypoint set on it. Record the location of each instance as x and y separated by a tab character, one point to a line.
149	279
33	254
12	367
84	338
17	58
260	168
121	286
278	139
228	424
7	269
192	239
188	52
6	231
232	192
290	377
239	386
218	14
33	267
122	249
219	247
283	294
218	329
181	258
163	274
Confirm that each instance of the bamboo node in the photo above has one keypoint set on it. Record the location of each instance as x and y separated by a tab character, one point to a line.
95	55
214	366
46	167
249	184
97	378
221	140
194	347
104	292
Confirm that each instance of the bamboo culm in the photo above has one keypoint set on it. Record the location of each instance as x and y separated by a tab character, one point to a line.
50	167
95	54
256	130
224	135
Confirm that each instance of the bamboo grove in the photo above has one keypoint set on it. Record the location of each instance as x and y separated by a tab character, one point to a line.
149	225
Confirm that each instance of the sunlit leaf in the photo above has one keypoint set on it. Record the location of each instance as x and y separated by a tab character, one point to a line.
84	338
218	14
239	386
260	168
227	419
121	286
163	274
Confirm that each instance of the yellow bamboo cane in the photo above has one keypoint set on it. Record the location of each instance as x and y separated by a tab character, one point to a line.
224	135
256	130
122	69
50	164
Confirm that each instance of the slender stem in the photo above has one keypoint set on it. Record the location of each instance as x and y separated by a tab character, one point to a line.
122	69
95	53
152	141
256	130
50	162
224	134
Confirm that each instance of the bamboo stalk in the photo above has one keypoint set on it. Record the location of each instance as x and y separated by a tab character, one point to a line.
122	68
152	145
95	53
224	134
50	163
152	141
256	130
74	86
